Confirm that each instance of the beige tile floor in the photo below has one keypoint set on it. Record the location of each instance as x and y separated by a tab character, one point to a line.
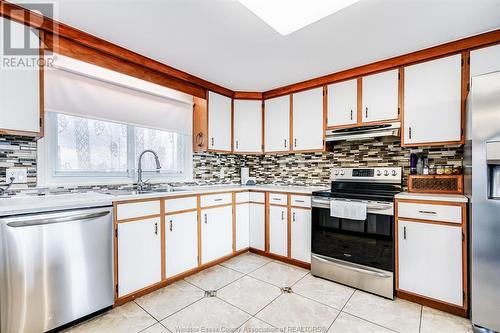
250	299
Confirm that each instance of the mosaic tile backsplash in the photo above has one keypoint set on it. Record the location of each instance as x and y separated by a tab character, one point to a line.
286	169
314	168
18	152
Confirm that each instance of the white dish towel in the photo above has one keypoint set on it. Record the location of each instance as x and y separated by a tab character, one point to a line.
348	209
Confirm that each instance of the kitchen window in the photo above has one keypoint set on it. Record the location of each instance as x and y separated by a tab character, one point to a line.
89	150
97	123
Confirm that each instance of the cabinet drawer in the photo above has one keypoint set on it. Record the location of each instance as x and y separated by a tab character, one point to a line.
257	197
278	199
177	204
301	201
216	199
242	197
430	212
137	209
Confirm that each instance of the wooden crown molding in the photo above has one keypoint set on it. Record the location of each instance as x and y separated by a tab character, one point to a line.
78	44
469	43
70	35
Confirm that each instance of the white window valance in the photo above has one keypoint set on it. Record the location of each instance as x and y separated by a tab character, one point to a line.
81	89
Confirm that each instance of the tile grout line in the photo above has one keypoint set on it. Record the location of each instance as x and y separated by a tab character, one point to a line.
369	321
420	322
338	314
157	321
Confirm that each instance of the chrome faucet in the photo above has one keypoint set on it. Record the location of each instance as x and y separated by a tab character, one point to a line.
140	183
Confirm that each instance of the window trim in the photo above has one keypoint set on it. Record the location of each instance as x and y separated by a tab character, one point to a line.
47	175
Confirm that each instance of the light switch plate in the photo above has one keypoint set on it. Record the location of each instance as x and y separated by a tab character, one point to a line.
20	175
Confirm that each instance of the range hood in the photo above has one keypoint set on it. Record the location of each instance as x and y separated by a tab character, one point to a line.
363	132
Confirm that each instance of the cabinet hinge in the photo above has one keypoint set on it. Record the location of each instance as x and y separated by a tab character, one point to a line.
399	76
116	288
468	60
463	295
41	122
468	87
399	110
462	61
116	232
463	236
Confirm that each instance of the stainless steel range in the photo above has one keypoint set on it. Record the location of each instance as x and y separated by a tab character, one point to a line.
353	229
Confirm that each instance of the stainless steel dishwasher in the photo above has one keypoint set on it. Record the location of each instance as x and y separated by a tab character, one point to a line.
55	268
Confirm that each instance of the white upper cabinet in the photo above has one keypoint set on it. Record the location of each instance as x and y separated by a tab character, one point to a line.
430	260
485	60
380	96
219	122
432	101
181	243
277	124
308	120
343	103
247	126
19	87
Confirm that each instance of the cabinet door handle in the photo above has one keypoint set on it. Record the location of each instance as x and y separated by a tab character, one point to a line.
366	112
218	199
293	216
282	215
295	142
212	140
206	218
297	200
156	228
170	225
237	145
409	132
404	232
427	212
351	115
285	143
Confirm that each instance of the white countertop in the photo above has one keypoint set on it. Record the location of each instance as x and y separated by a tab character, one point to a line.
26	204
432	197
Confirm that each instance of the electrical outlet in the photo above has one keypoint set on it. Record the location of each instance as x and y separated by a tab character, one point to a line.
20	175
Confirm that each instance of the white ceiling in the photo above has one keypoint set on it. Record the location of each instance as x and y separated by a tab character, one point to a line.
223	42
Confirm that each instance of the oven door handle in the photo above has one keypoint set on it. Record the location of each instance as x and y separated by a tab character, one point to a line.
352	267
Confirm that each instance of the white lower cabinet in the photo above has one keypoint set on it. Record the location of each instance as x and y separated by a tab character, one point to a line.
278	230
216	233
139	255
301	234
430	260
242	226
181	243
257	226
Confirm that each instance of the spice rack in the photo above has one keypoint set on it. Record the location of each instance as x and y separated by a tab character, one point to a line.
442	184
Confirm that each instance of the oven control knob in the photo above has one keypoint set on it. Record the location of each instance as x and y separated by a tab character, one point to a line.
386	173
336	172
342	172
379	173
394	172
